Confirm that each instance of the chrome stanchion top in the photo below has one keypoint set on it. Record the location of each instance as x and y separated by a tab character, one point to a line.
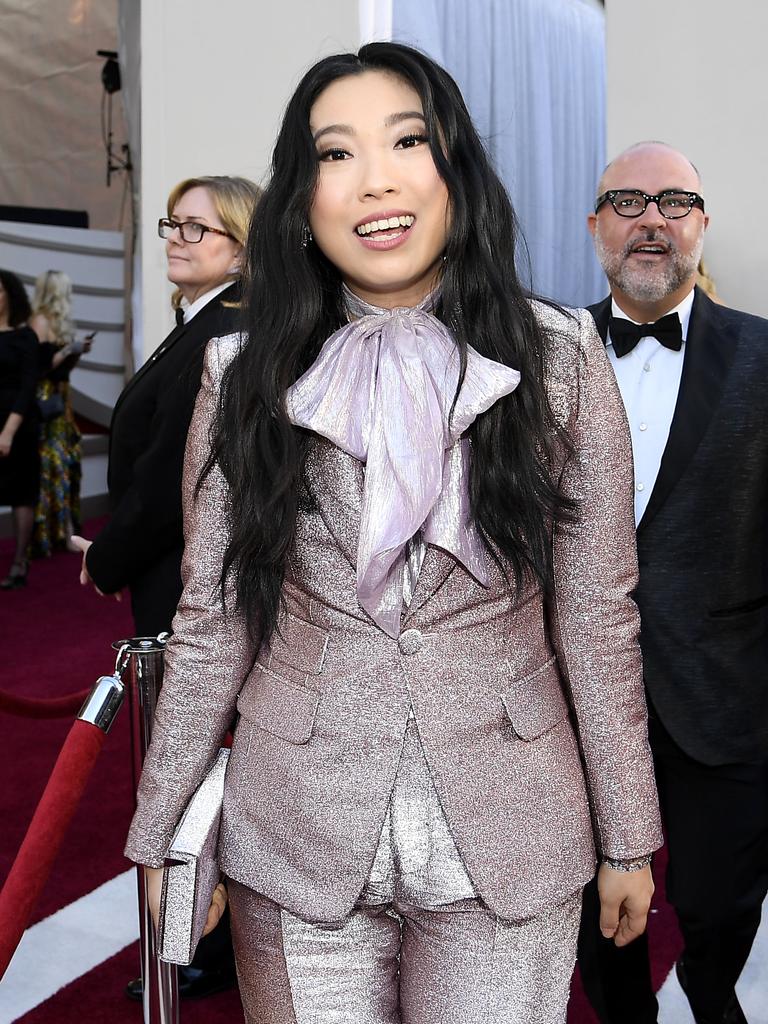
141	644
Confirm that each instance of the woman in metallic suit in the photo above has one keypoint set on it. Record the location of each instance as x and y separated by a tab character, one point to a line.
410	553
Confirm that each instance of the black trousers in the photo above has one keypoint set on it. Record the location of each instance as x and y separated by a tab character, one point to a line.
716	824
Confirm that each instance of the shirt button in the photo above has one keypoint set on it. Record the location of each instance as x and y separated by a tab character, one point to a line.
643	426
647	367
410	641
640	487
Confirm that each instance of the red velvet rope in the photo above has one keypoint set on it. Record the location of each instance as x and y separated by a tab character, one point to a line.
40	846
42	707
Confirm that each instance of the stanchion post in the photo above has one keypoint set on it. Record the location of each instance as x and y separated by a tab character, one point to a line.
140	661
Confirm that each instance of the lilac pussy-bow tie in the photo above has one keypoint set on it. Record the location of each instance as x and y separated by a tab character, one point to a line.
381	389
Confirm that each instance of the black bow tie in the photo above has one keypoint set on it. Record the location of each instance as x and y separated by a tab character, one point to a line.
625	335
179	316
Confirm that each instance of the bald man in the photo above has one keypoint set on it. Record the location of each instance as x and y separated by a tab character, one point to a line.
694	379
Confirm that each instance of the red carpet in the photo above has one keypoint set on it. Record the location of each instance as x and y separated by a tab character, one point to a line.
55	639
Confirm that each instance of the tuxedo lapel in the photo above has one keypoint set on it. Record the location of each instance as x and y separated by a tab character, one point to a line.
706	364
601	313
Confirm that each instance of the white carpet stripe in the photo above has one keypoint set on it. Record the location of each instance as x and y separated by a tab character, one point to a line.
70	943
752	988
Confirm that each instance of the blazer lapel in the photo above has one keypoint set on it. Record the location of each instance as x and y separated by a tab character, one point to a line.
208	315
435	570
707	362
143	370
334	480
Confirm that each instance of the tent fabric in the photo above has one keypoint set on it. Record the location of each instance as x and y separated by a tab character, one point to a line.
51	149
533	75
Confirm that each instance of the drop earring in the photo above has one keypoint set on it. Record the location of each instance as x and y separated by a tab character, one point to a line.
306	236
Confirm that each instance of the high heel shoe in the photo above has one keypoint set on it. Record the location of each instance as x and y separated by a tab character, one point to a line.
17	577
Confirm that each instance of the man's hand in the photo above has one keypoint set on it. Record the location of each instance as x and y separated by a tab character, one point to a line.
625	898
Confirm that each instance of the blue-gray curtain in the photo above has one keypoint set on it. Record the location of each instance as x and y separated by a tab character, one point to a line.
533	75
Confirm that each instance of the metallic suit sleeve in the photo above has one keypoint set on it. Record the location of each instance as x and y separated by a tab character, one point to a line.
596	623
209	654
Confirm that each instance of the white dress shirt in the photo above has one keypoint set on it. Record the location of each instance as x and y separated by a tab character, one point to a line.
192	309
649	381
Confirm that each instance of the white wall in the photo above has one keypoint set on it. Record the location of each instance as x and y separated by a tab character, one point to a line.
214	81
694	73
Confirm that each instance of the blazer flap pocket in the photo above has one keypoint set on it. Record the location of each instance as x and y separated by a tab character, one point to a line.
536	703
299	644
280	707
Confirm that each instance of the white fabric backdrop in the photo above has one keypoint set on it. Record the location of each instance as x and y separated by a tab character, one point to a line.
533	75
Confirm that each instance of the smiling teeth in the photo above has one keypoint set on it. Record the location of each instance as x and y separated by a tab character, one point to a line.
385	225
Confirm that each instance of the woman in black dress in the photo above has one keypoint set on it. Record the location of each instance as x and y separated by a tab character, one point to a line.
19	458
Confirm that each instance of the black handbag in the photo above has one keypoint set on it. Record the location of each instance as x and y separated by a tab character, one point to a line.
51	407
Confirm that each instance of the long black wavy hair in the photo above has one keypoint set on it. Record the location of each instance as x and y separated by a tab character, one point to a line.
292	302
19	308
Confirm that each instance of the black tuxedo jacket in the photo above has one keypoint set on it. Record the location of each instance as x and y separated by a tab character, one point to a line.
142	545
703	543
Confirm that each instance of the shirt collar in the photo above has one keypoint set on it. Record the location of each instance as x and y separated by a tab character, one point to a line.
192	309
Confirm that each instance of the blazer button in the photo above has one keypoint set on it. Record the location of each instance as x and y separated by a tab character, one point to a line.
410	641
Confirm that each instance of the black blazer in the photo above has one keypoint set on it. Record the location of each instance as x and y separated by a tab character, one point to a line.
703	543
142	545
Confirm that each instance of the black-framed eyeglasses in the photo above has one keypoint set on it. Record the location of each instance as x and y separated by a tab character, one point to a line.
189	230
632	202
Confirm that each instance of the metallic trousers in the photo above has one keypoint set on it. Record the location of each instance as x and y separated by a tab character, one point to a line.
399	964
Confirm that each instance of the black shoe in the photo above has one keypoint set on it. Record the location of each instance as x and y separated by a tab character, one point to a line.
733	1013
135	990
17	577
193	983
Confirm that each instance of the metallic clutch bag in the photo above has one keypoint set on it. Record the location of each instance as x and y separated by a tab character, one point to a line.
192	869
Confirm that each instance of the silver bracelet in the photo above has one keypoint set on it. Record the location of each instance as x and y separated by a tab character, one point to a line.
631	864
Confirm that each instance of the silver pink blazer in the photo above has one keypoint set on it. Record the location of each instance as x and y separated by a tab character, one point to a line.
531	713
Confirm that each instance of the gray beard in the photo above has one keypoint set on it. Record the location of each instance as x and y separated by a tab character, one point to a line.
649	283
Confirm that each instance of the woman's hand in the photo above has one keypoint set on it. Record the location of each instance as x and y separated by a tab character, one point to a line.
81	544
8	432
154	877
625	898
218	906
154	880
